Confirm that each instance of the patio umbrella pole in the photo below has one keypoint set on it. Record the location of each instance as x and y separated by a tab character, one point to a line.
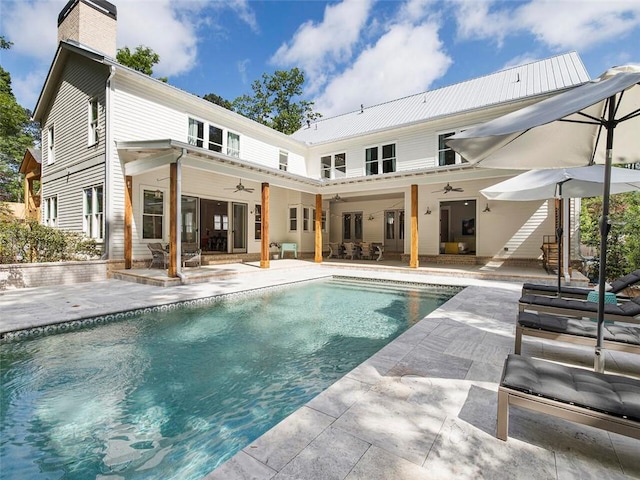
604	233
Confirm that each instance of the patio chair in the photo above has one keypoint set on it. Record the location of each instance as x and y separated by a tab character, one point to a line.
365	250
624	312
573	330
350	250
335	250
617	286
601	400
191	255
159	256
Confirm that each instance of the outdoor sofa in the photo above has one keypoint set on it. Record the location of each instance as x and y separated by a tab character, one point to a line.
601	400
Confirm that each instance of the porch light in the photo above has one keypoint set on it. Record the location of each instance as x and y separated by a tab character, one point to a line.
158	195
428	212
486	208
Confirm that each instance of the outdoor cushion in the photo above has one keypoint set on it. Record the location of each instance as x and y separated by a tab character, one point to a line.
627	309
610	394
582	328
623	282
616	286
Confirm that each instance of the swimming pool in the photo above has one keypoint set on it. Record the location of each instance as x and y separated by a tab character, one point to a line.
174	393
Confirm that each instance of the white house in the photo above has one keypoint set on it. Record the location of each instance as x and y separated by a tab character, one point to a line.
120	148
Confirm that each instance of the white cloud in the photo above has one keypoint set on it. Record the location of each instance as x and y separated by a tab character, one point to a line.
557	24
404	61
317	47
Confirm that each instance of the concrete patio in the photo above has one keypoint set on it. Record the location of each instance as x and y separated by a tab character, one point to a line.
422	407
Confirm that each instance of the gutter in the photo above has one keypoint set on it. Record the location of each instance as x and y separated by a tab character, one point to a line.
179	215
107	163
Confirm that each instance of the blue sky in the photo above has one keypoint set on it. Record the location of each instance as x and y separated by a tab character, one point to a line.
352	51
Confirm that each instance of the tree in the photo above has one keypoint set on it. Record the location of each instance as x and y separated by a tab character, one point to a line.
623	245
17	133
218	100
273	101
142	60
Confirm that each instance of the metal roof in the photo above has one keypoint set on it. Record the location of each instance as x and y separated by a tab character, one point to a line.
513	84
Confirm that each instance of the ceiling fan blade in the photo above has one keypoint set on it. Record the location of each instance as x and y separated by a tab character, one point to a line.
457	189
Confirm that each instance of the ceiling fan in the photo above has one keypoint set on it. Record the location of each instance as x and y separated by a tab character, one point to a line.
448	188
241	188
337	198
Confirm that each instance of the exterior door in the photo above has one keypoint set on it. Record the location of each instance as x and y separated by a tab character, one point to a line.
239	228
394	230
352	227
190	220
445	226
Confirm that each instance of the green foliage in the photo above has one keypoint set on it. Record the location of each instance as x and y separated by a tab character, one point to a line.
17	133
31	242
623	245
142	60
218	100
273	101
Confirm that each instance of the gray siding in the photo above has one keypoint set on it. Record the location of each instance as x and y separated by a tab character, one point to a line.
77	165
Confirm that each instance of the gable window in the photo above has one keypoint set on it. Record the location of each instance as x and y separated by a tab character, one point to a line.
196	133
258	222
51	146
293	219
446	155
233	144
152	214
93	121
305	219
380	159
284	160
215	139
93	212
50	211
334	166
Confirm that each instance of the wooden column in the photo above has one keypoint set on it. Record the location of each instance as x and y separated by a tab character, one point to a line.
128	223
318	220
413	263
173	220
264	240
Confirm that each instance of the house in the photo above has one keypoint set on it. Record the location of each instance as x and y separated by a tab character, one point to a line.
120	148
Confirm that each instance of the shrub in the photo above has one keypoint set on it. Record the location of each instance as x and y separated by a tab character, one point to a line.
31	242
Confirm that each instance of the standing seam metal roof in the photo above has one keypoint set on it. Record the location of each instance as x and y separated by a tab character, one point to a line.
509	85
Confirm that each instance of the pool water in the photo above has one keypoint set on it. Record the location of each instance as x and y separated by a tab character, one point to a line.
174	394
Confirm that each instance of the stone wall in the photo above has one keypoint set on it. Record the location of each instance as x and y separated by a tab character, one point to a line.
26	275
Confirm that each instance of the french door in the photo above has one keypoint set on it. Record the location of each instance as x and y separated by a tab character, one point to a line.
394	230
239	228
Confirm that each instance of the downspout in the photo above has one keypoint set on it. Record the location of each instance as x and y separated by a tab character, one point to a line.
179	215
566	251
107	164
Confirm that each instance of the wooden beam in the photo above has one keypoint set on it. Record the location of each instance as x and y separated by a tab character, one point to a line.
318	220
173	220
128	223
264	239
413	263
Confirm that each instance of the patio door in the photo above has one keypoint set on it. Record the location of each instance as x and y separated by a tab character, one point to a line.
394	230
239	228
352	227
189	232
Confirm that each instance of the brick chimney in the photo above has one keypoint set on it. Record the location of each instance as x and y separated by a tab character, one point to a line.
91	23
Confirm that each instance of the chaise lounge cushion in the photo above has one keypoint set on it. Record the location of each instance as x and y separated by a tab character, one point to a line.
623	282
611	394
581	292
628	309
582	328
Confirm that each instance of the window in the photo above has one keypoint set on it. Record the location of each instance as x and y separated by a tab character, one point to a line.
196	132
293	219
50	213
93	212
215	139
51	147
446	156
93	121
221	222
375	164
233	144
258	222
305	218
152	214
334	166
323	226
284	160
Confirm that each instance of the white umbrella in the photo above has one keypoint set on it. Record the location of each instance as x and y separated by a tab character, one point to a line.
578	182
567	130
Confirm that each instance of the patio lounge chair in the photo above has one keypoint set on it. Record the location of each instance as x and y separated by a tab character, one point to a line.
601	400
623	312
159	256
617	286
573	330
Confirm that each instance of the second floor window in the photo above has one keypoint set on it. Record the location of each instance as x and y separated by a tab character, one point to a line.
233	144
283	163
152	214
446	156
334	166
51	146
93	212
196	133
93	121
380	159
215	139
50	211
